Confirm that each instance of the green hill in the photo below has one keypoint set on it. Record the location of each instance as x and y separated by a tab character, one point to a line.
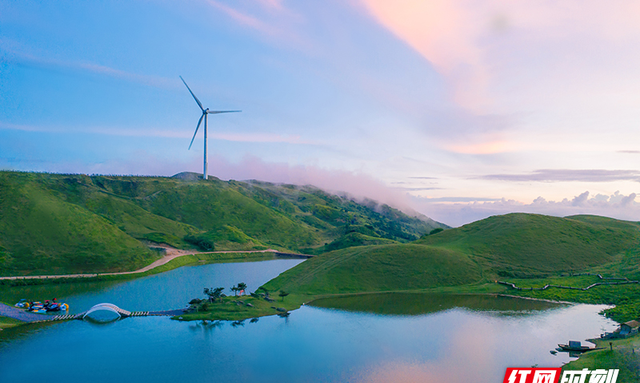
529	244
55	223
378	268
41	232
524	245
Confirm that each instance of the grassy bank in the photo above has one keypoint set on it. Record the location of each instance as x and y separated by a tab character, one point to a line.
622	354
9	322
237	308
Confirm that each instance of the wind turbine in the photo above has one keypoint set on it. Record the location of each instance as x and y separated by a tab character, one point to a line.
205	113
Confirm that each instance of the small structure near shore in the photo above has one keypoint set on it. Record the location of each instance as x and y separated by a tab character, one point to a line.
629	328
626	329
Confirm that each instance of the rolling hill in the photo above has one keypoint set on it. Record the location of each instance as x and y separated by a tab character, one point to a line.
520	245
378	268
56	223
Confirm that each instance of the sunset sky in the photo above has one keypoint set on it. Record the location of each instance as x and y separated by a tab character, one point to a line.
457	109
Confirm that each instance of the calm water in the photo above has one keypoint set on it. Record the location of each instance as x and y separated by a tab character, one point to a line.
314	344
170	290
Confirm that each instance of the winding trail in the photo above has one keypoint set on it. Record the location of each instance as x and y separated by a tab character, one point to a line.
171	253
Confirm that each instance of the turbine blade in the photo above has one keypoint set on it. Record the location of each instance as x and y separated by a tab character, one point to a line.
223	111
194	96
196	132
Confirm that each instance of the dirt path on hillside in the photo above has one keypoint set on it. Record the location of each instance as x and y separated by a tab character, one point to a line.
170	254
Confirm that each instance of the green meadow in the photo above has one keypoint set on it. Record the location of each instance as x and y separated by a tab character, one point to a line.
58	224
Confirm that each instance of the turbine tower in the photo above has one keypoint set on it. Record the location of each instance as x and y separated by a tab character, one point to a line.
205	113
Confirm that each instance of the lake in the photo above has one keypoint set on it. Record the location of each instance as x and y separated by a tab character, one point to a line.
389	337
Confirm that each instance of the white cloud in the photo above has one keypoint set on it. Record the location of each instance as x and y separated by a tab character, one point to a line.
457	213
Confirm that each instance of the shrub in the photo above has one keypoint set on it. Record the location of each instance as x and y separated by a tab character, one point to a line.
202	243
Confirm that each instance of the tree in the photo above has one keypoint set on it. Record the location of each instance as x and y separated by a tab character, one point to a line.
214	294
242	287
234	288
283	294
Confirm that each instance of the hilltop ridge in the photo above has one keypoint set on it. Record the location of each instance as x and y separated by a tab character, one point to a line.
57	223
512	245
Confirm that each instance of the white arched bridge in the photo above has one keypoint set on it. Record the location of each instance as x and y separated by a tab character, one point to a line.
109	307
23	316
121	313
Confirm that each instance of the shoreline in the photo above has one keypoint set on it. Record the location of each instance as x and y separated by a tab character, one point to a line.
160	262
175	262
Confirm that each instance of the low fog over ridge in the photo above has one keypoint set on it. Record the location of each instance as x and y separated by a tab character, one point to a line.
452	210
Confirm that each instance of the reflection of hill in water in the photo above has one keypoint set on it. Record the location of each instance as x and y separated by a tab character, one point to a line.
424	303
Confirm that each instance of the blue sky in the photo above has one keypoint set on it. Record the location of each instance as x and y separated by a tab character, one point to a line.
456	109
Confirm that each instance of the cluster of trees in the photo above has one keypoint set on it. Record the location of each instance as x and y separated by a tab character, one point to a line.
239	288
216	294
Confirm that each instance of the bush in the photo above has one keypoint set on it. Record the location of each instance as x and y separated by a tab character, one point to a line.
202	243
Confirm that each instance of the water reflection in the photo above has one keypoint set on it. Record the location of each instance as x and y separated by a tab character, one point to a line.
101	318
425	338
424	303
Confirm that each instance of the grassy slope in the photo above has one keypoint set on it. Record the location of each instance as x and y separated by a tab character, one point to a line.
339	215
352	239
114	202
42	233
213	204
55	223
532	245
378	268
513	244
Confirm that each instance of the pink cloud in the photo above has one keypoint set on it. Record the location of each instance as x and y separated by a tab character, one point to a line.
357	185
476	43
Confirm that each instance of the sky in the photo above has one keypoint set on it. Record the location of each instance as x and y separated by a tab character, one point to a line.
456	109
